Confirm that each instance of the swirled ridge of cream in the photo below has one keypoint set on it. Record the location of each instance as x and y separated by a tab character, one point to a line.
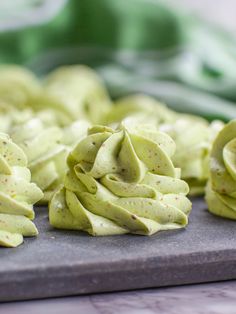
76	92
121	181
193	137
139	104
46	155
221	188
17	195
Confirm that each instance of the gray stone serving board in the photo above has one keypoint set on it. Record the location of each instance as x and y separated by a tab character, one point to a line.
61	263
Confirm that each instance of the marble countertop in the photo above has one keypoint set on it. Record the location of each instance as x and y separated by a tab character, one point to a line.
212	298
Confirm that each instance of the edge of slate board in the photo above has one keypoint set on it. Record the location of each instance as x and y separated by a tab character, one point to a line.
118	276
153	271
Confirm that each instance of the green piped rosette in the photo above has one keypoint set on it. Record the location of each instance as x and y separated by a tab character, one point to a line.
221	188
74	92
45	152
121	181
193	137
18	86
68	93
17	195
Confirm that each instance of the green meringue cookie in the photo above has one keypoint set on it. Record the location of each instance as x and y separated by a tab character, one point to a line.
221	188
17	195
18	86
193	137
68	93
121	181
75	92
19	92
45	152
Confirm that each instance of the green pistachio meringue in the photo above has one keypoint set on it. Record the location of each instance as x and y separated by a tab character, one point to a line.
19	92
139	104
193	137
221	188
18	86
69	93
45	153
76	92
17	195
121	181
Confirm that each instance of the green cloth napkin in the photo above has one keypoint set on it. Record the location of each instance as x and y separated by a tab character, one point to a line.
136	45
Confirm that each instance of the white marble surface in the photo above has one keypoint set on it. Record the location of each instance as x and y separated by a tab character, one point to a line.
214	298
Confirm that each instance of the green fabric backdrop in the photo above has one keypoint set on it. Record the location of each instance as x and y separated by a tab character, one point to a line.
136	45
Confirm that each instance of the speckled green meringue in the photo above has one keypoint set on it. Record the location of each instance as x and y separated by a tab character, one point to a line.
45	153
17	195
139	104
76	92
47	148
221	188
193	137
192	134
121	181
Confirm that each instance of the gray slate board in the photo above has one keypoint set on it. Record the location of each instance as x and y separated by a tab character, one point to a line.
60	263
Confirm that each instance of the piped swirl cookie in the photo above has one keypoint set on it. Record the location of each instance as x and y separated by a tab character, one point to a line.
75	92
193	137
121	181
46	155
221	188
17	195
